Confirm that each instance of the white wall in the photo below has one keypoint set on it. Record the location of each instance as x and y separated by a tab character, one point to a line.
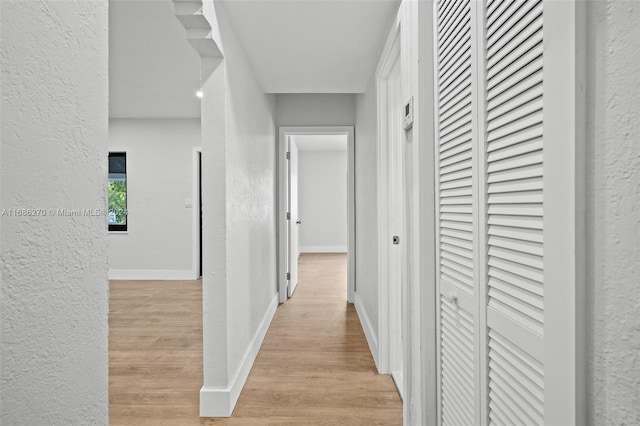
54	288
158	243
613	194
239	282
322	201
314	109
367	211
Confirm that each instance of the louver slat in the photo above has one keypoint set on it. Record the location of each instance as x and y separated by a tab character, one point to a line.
515	208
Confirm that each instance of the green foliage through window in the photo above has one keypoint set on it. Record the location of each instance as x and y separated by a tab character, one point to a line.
118	202
117	191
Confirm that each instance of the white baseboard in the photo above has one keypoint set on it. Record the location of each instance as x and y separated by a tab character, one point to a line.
152	274
323	249
369	332
220	402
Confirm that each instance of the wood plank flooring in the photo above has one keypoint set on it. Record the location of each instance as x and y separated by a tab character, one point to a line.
314	367
155	352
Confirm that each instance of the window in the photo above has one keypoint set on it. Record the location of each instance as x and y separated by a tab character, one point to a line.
117	191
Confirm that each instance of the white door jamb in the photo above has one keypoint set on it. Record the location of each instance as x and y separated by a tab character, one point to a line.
281	190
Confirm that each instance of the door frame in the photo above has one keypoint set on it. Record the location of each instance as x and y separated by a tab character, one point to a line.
282	201
195	206
391	55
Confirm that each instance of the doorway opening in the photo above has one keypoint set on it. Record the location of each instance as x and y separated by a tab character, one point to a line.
197	212
316	179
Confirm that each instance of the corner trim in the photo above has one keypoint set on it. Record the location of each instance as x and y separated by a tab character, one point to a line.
220	402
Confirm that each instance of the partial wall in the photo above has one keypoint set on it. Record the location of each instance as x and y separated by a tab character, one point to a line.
239	219
53	169
613	227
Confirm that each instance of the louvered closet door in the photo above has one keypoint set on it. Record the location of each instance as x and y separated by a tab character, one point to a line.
456	173
490	200
513	169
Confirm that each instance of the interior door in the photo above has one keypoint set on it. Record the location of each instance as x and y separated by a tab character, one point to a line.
489	173
456	177
294	219
513	168
396	223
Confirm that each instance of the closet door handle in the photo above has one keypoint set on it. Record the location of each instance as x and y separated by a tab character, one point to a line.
452	298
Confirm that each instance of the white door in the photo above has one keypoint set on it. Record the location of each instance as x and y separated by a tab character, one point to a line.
489	173
397	237
457	238
512	170
294	219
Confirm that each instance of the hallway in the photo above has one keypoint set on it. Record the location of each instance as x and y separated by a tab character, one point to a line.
314	366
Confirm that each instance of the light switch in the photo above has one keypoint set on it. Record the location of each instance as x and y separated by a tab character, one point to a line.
188	203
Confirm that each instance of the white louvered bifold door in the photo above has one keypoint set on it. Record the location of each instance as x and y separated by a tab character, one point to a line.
513	169
490	199
455	175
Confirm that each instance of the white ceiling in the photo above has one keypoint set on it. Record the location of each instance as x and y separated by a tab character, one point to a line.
312	46
153	71
321	142
294	46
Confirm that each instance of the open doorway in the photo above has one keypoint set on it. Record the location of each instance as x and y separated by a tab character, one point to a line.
197	212
329	225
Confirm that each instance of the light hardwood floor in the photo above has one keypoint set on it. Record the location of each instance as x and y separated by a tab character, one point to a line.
314	367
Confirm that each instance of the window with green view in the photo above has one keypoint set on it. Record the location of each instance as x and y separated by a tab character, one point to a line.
117	191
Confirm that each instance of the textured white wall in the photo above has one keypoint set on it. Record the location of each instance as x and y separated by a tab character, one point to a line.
239	282
159	240
54	289
214	229
322	200
251	218
367	204
313	109
614	212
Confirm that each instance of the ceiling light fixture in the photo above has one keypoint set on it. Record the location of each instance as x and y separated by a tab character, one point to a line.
199	94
